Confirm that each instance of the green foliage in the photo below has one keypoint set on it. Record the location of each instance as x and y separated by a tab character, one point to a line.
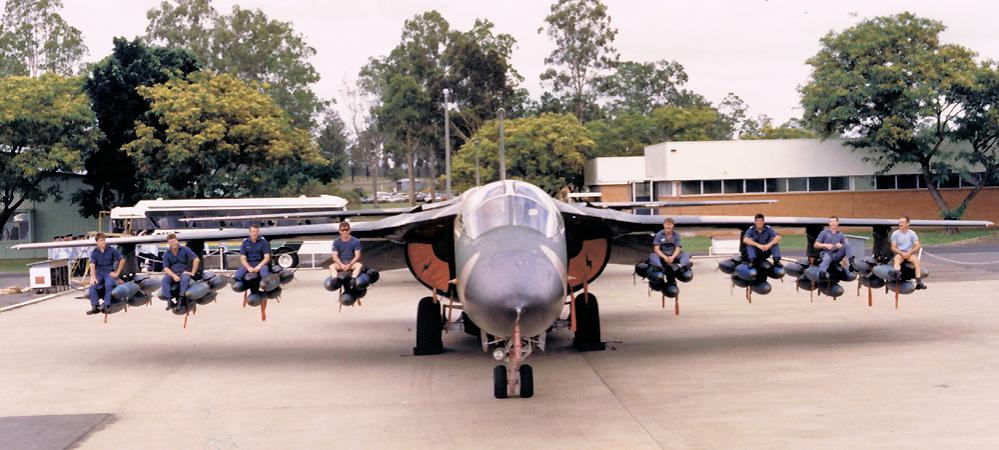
638	87
890	83
979	125
548	150
583	36
247	44
217	136
110	174
45	124
34	39
332	143
627	134
763	128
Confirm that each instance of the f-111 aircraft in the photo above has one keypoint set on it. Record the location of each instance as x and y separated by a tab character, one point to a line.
507	255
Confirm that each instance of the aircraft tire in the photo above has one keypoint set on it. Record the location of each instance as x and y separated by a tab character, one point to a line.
587	336
429	328
471	328
526	381
499	381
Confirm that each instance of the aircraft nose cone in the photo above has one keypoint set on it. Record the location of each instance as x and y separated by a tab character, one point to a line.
505	282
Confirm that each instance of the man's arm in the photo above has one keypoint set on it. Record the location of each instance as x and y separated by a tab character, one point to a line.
773	242
93	272
749	241
263	262
357	257
245	263
117	271
195	265
658	251
821	245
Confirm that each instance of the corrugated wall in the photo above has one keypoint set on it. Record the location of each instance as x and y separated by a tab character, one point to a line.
52	218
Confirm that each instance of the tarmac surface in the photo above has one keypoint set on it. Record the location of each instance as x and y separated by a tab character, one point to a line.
780	372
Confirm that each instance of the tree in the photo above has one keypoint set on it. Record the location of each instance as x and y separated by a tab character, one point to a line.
763	128
332	144
583	36
892	84
34	39
629	133
638	87
548	151
979	127
45	124
112	176
247	44
212	136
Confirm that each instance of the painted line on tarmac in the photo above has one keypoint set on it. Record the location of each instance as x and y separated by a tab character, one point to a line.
35	300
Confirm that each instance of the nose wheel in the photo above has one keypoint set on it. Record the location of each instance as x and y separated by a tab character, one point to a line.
515	377
524	381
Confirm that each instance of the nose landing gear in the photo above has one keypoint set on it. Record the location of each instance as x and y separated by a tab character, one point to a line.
515	377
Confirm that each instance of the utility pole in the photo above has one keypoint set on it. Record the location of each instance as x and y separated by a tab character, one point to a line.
502	148
447	145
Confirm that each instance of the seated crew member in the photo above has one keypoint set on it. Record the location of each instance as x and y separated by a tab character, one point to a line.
666	248
346	253
905	245
254	255
832	246
761	241
106	265
179	265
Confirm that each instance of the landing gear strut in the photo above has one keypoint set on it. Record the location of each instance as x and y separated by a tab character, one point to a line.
514	376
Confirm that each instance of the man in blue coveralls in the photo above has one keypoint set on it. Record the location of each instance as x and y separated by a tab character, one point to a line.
832	246
346	253
106	265
254	255
666	248
179	265
762	242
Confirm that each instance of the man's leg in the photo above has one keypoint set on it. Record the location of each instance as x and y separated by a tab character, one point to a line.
240	273
825	261
896	261
355	269
94	302
166	285
265	270
919	273
683	259
775	253
185	281
109	285
751	253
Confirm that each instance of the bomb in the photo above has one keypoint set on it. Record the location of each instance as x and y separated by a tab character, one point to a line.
794	269
806	284
217	282
657	284
270	282
655	273
347	298
182	308
761	287
871	281
116	305
208	298
745	272
902	287
671	290
198	290
286	275
254	299
776	272
273	293
641	269
139	299
862	267
740	282
832	290
147	284
373	275
125	291
239	286
332	283
885	272
727	266
362	281
685	275
814	273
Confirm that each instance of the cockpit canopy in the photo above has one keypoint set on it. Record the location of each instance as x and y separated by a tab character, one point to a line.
509	203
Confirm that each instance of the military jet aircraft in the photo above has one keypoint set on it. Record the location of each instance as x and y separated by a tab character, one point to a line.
507	255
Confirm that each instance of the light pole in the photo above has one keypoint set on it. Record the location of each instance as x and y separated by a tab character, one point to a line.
502	145
447	144
477	183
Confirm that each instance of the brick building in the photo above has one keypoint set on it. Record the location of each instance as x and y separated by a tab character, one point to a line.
807	177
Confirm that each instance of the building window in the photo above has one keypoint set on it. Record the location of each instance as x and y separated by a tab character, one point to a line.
818	183
757	185
839	183
690	187
797	184
711	187
949	181
641	191
885	182
733	187
906	181
776	185
863	183
663	189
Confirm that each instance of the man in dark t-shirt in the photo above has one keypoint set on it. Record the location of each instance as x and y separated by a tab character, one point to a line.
180	263
106	264
254	255
346	253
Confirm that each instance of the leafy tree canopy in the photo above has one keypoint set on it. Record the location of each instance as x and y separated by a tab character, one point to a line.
34	39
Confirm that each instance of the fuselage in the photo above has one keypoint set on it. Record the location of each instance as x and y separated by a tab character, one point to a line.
510	258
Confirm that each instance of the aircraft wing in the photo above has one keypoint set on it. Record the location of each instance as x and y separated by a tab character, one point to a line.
320	214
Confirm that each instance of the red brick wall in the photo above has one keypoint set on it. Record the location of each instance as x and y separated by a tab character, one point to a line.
874	204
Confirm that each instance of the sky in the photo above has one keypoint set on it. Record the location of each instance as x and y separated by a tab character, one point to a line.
756	49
